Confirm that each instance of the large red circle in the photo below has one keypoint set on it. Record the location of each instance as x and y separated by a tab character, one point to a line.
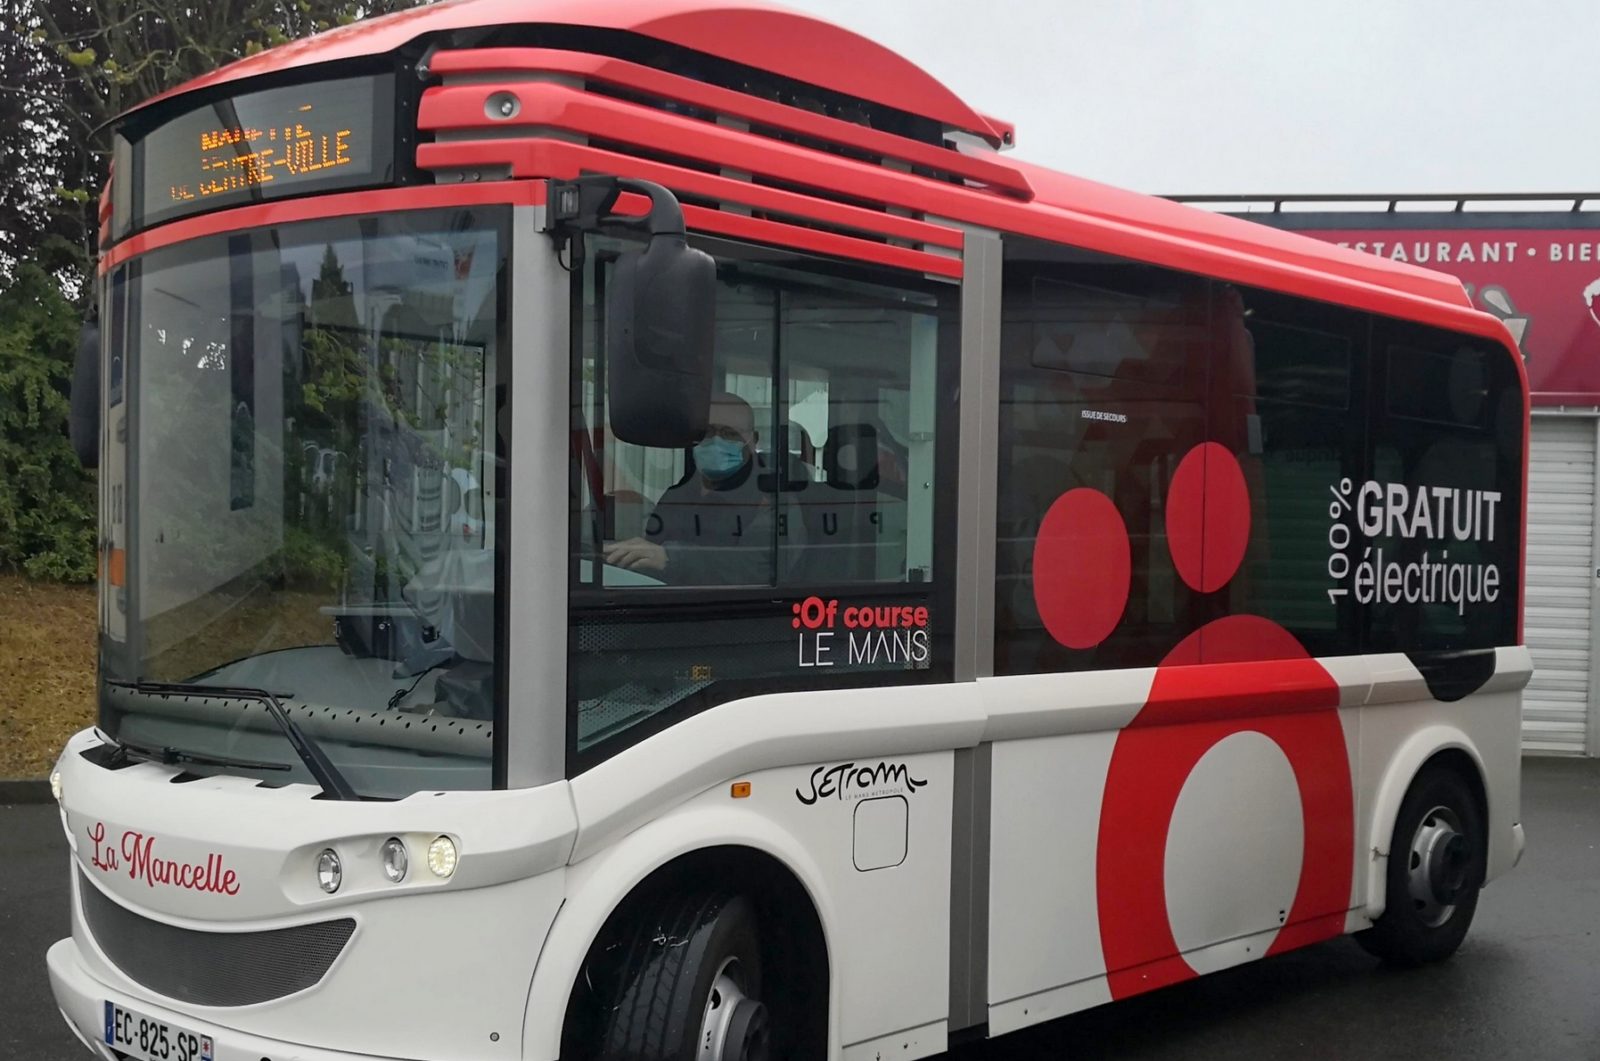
1082	567
1208	517
1287	697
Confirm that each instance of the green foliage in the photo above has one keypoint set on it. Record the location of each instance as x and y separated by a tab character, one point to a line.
67	68
47	500
311	561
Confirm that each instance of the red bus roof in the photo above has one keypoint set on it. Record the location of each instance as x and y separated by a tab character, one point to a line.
768	37
1057	191
814	51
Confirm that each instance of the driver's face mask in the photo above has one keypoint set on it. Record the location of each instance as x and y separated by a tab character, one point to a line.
718	457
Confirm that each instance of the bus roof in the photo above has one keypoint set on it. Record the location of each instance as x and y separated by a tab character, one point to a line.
1054	190
811	50
765	36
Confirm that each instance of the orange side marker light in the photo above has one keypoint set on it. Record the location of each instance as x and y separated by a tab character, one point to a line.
740	790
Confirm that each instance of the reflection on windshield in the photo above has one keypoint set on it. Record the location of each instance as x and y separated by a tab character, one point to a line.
315	490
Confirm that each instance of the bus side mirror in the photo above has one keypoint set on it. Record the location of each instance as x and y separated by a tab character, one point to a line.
660	312
660	317
83	415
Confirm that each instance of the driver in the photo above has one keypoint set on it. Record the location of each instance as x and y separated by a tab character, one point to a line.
715	527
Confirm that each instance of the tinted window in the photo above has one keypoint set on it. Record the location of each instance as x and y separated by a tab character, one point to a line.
1102	377
1290	408
1441	508
1175	451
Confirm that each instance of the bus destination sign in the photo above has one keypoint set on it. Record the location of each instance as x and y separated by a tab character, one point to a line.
266	145
235	158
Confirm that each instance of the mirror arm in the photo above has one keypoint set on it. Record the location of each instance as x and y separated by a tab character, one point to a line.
586	204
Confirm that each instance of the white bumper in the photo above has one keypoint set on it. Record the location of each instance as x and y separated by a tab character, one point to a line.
82	999
431	969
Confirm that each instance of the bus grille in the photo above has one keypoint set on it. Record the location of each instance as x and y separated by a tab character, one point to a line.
213	968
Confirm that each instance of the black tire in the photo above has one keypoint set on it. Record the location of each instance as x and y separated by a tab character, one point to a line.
1406	934
673	958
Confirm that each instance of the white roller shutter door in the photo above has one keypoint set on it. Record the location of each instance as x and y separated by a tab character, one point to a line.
1560	587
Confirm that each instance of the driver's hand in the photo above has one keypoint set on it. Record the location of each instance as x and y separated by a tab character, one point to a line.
637	554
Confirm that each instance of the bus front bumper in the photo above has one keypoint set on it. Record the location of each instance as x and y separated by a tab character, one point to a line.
82	1000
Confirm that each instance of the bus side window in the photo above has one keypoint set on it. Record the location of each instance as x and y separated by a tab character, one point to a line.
1103	367
1287	393
813	487
863	383
1446	447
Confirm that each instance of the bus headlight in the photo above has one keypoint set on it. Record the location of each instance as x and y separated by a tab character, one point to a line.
55	784
394	859
442	856
329	873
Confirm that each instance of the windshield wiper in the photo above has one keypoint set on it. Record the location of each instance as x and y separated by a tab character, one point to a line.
333	783
168	755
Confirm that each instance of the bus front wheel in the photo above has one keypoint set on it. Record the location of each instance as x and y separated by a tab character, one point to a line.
1436	867
690	985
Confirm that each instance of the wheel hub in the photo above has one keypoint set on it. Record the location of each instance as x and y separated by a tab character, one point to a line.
1440	861
735	1026
748	1036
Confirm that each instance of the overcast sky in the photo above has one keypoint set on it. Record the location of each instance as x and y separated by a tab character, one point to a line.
1274	96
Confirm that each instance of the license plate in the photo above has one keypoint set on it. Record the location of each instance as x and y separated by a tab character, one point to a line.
150	1039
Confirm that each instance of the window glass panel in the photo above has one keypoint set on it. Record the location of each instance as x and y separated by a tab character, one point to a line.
1298	364
1102	372
1446	385
1359	486
1441	509
815	480
867	372
1133	337
1287	403
315	483
710	514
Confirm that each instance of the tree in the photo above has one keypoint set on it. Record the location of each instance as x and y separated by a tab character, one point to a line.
34	153
69	67
47	502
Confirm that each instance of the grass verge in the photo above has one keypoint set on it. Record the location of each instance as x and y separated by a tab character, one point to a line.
47	657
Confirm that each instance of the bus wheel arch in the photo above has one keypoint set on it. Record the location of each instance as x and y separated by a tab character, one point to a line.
1438	855
792	941
1471	771
1441	747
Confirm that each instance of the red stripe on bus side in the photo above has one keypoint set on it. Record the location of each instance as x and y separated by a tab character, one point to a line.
539	157
724	101
755	229
551	106
343	204
759	230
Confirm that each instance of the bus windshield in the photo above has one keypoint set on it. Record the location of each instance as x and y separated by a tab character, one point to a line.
309	450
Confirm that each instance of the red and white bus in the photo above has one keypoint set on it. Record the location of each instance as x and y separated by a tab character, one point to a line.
637	530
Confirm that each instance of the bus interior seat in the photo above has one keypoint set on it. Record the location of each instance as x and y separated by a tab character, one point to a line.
850	524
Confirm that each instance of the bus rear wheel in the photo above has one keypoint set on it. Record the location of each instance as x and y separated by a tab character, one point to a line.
690	986
1436	867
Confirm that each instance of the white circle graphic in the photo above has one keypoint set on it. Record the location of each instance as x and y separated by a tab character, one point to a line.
1233	851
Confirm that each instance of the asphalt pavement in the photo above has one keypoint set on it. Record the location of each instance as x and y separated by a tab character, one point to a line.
1526	984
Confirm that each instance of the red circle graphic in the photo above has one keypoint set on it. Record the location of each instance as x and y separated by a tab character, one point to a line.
1284	695
1208	517
1082	566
